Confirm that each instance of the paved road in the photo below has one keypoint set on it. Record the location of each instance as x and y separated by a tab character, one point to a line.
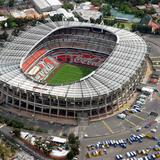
154	42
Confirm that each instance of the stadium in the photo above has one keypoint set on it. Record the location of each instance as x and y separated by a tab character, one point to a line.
71	69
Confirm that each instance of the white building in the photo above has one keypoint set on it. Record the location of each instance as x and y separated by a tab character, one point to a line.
46	5
65	13
2	18
85	11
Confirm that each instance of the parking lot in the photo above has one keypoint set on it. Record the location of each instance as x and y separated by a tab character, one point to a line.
117	128
112	151
113	125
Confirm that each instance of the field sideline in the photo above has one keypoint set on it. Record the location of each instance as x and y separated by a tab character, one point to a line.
68	73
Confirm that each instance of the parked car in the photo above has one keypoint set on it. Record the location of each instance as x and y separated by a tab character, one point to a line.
143	96
140	102
133	110
139	129
137	109
153	130
119	157
153	114
121	116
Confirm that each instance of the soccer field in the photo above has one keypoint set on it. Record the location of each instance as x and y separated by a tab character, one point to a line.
68	73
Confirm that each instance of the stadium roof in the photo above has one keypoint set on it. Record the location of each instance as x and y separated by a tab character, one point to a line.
54	2
122	64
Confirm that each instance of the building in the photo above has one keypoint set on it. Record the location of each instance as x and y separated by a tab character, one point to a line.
148	21
66	14
2	18
97	95
30	13
57	144
46	5
87	11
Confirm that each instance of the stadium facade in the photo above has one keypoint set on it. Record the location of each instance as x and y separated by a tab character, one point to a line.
98	94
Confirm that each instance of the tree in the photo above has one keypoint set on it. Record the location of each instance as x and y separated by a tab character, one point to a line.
72	139
17	132
1	2
70	155
4	35
68	6
92	20
141	28
122	25
11	3
74	143
96	2
106	9
57	17
15	32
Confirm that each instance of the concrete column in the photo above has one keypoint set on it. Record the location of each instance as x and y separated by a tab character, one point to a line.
13	94
26	101
112	101
117	99
58	101
49	111
34	103
19	99
122	96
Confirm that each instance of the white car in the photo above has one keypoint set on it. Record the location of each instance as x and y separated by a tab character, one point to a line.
142	100
133	110
143	96
128	154
153	130
86	135
121	116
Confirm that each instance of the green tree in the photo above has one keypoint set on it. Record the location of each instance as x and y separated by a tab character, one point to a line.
11	3
17	132
92	20
68	6
4	35
96	2
74	143
57	17
106	9
72	139
70	155
1	2
122	25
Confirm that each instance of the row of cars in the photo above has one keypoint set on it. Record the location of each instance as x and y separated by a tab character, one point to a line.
150	153
135	138
144	154
137	107
100	148
148	157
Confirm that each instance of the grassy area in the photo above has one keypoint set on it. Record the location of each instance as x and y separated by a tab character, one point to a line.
125	25
69	73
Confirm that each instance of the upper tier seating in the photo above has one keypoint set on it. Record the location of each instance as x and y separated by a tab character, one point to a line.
30	60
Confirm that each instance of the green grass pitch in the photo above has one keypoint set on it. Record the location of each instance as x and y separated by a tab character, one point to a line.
69	73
